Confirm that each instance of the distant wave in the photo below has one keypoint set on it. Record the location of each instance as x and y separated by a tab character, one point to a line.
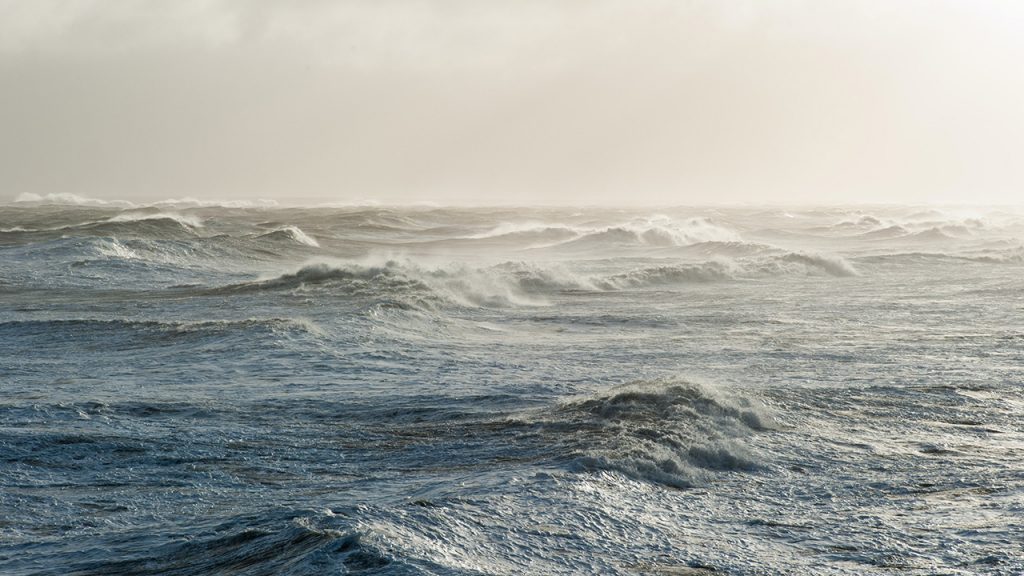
832	265
894	231
291	234
69	199
408	283
793	263
657	232
930	235
1013	255
670	274
521	283
526	235
147	222
188	201
183	219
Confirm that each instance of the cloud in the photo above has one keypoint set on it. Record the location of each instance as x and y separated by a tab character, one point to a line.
459	100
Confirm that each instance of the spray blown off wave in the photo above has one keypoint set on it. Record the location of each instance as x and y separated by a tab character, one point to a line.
525	284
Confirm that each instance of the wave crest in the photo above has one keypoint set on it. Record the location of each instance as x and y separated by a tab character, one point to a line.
182	219
407	283
672	432
291	234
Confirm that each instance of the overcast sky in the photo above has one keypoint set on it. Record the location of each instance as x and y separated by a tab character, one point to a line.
517	101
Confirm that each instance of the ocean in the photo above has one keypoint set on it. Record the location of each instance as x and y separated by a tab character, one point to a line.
197	388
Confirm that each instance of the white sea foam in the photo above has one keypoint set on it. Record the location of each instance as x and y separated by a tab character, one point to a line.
113	248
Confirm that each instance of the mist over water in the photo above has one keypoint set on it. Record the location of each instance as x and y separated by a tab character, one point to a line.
191	388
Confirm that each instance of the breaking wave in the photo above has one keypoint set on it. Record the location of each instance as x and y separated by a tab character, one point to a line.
182	219
522	283
655	232
69	199
673	432
793	263
409	283
66	198
291	234
832	265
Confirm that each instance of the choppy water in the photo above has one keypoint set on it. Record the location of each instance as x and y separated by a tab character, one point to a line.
196	389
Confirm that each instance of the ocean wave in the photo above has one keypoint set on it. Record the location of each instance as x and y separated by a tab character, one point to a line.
294	544
654	232
672	432
523	283
191	202
1014	255
182	219
811	263
291	234
534	278
410	284
143	332
728	249
152	224
934	234
67	198
529	235
671	274
787	264
113	248
893	231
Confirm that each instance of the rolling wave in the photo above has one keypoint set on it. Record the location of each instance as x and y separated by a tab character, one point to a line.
410	284
291	544
668	432
522	283
142	330
656	232
291	234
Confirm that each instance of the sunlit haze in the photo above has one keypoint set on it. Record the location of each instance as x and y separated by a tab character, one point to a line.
524	102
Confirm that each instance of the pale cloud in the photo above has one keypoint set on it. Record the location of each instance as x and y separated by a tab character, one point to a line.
105	26
653	101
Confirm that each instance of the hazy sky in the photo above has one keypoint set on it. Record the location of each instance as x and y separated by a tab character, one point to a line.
518	101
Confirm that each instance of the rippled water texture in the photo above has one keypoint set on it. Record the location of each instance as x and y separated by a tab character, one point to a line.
201	389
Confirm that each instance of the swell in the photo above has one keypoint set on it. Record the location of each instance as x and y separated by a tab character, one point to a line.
523	283
657	232
292	234
133	334
787	264
415	285
289	544
999	256
156	226
670	432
